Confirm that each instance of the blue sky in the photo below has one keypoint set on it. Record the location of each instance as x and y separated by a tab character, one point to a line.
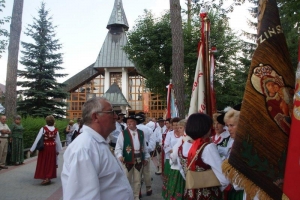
81	26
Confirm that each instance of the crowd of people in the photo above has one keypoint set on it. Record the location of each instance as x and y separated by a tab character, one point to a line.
113	153
179	145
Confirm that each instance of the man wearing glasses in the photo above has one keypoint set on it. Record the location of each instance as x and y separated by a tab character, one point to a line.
90	171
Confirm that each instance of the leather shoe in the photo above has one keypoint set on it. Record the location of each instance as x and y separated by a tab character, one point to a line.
149	192
3	167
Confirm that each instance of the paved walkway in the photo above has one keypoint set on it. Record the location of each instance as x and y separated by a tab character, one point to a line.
17	183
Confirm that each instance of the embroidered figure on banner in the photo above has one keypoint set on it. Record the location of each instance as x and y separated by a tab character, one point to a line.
278	96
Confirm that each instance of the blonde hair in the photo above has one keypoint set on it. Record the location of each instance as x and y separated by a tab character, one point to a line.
232	114
182	123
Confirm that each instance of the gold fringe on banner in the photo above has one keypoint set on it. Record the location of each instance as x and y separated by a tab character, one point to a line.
284	197
235	177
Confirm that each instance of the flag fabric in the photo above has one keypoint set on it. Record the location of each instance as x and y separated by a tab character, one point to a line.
198	100
168	115
292	167
258	155
197	103
212	90
173	107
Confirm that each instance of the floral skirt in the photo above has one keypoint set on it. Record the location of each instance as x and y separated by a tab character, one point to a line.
17	154
175	186
211	193
165	175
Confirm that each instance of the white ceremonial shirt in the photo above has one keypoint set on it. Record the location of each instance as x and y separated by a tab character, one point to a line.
115	134
42	132
136	144
170	141
149	136
159	131
90	170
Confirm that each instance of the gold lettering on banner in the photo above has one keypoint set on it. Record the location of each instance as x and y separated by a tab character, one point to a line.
269	33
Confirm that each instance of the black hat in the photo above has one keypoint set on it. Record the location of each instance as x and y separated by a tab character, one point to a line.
131	117
237	107
220	119
140	117
160	119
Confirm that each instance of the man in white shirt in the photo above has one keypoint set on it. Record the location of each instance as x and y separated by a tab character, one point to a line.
159	131
90	170
150	142
131	150
4	131
121	116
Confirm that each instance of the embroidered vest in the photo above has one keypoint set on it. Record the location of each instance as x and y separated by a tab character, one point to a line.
224	142
128	149
49	136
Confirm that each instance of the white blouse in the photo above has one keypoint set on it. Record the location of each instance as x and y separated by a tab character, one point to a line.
170	141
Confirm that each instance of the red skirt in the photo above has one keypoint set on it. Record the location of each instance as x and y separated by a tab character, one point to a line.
46	163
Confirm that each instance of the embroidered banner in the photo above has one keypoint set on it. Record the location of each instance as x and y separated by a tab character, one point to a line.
258	155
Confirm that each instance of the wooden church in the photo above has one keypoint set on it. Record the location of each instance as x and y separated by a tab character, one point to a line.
113	76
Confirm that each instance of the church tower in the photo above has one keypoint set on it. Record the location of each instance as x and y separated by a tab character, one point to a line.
113	76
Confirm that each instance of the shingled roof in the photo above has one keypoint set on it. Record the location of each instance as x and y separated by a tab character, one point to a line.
118	17
115	96
111	54
80	78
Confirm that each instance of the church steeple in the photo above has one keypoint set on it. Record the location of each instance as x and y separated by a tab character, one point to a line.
118	17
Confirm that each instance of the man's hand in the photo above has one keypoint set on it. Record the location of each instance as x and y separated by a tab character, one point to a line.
121	158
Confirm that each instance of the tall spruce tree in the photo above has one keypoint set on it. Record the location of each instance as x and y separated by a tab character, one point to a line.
43	94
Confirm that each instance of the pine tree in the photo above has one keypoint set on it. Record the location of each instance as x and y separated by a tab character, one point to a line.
43	94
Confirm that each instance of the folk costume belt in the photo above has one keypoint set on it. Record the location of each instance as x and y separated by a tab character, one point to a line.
137	155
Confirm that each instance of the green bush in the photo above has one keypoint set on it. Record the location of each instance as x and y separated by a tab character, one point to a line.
33	125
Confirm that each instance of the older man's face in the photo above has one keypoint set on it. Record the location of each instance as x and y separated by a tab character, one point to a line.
131	124
107	120
3	119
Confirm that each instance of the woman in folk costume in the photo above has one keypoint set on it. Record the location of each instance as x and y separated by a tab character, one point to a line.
231	118
222	135
176	183
164	135
171	139
198	127
46	162
17	130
